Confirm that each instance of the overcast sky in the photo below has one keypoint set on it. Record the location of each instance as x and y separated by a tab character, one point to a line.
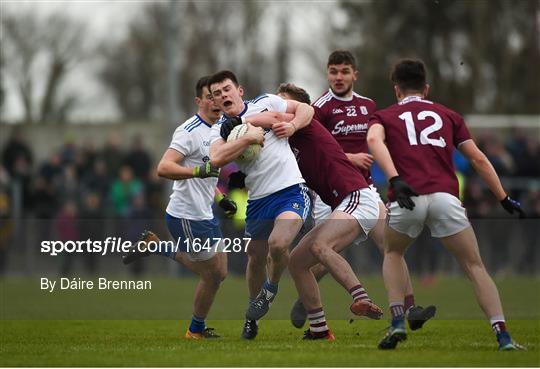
109	19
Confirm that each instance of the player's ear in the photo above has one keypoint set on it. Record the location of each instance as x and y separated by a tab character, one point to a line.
397	91
241	91
426	90
355	75
198	100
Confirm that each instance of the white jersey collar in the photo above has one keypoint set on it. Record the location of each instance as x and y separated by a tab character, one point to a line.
409	99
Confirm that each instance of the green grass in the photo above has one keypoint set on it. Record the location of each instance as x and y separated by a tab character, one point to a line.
459	337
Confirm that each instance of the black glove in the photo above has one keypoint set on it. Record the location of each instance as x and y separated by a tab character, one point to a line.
237	180
511	205
403	192
228	205
228	125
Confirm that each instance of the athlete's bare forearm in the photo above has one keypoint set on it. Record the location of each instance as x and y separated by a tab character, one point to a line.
303	115
267	119
171	170
222	153
483	167
379	150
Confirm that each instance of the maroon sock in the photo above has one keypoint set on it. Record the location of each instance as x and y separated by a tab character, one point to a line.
409	302
317	322
359	293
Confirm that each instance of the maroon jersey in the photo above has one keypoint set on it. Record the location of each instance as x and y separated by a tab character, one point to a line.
421	136
347	120
324	165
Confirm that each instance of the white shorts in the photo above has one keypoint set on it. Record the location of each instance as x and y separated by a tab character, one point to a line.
440	211
321	211
363	205
204	254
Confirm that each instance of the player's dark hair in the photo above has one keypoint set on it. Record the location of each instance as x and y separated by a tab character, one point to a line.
201	83
341	56
297	93
409	75
222	76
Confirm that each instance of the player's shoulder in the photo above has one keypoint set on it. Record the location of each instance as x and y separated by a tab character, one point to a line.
364	99
445	109
385	115
261	98
389	109
322	100
192	124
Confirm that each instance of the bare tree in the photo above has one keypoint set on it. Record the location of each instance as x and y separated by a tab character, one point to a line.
134	68
477	52
40	49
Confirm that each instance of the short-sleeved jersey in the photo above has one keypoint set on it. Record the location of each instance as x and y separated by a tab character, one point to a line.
347	120
324	165
421	136
275	168
192	198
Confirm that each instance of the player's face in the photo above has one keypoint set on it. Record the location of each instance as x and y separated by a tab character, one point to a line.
228	97
208	106
341	78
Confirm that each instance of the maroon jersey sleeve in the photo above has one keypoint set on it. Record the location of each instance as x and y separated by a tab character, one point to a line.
320	110
375	119
318	114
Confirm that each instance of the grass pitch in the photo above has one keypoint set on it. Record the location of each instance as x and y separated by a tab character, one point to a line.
459	337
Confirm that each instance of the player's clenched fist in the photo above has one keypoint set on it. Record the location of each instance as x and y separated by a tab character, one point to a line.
255	134
206	170
283	129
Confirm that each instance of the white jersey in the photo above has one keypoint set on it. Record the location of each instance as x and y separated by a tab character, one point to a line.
193	198
275	168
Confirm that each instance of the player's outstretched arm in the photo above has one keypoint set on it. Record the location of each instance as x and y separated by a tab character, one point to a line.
483	167
170	168
222	152
375	140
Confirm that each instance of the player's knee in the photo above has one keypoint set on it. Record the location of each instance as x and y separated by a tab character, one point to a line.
215	276
319	249
277	246
278	252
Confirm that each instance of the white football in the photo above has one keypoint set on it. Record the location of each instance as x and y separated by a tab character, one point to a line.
251	152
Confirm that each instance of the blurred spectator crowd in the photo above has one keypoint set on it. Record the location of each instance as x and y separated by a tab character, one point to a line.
83	191
78	190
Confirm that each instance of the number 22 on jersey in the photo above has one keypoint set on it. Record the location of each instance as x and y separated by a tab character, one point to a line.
424	134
